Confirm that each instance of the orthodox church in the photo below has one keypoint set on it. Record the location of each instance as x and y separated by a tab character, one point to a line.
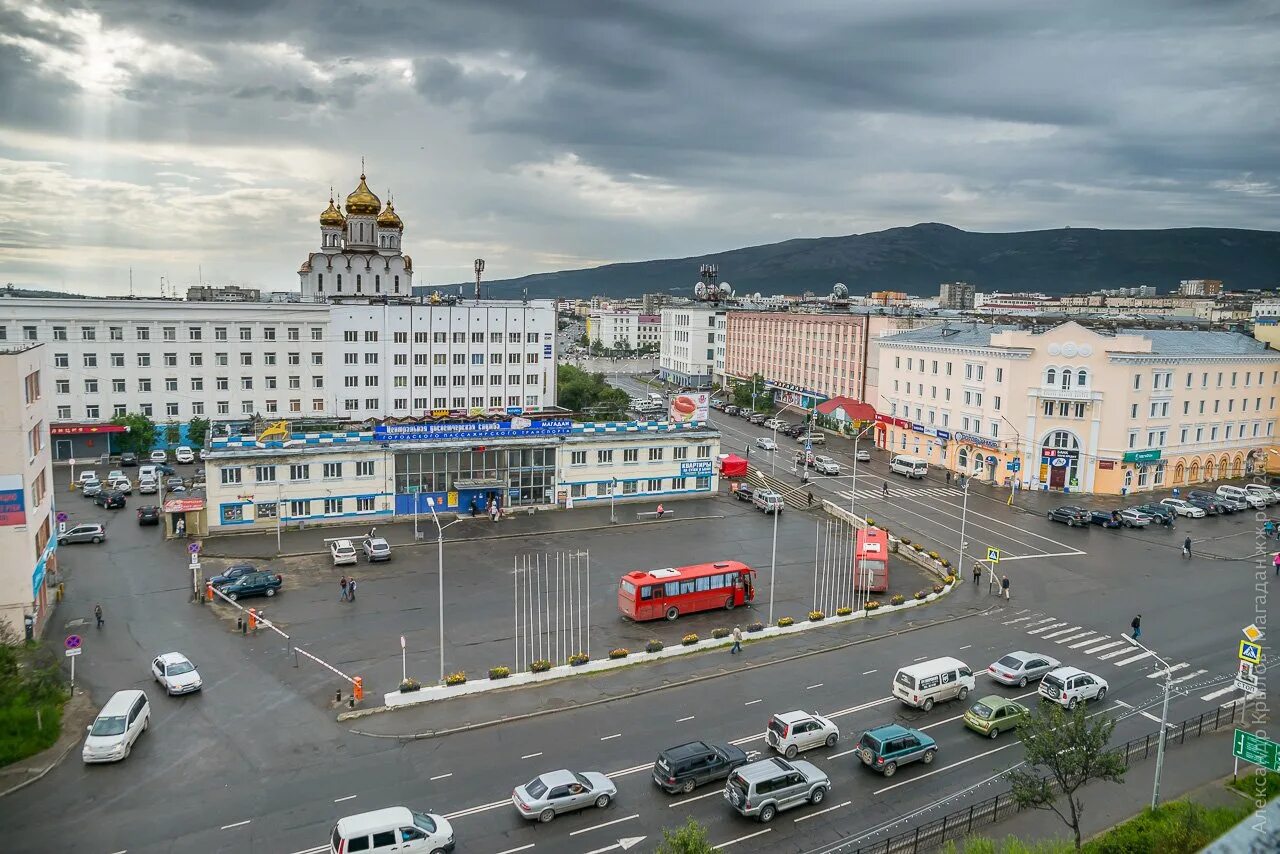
360	253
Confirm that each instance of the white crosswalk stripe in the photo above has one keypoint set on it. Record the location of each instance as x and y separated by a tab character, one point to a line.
1093	642
1159	674
1097	649
1110	655
897	491
1044	628
1018	620
1075	637
1060	632
1131	659
1216	694
1188	677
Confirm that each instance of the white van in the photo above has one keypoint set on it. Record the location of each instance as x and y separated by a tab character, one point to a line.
921	685
1252	499
111	736
909	466
391	829
1266	493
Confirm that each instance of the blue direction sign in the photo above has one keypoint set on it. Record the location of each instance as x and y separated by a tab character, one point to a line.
72	642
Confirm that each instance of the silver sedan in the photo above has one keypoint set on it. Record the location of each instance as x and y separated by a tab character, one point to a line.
1018	668
546	796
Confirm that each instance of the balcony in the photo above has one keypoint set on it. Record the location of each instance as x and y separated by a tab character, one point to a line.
1056	393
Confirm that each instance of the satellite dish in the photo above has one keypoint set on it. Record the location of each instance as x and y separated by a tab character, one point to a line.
839	291
699	290
725	289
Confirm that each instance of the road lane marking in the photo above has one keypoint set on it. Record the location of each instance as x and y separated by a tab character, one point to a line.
632	770
868	672
1188	676
808	816
1077	637
695	798
1044	628
1099	648
682	720
530	755
1131	659
859	708
606	824
347	798
966	646
1216	694
493	805
607	737
1163	671
1060	632
946	767
811	687
441	776
723	845
1042	622
752	702
237	824
844	753
521	848
1005	557
1125	649
921	658
1018	620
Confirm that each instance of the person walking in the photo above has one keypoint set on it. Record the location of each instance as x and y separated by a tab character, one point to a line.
351	589
948	477
475	507
884	489
1277	563
494	511
97	609
1136	624
977	574
737	640
342	582
1004	587
1186	548
811	498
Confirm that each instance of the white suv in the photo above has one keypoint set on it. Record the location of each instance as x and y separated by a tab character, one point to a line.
826	465
791	732
1070	686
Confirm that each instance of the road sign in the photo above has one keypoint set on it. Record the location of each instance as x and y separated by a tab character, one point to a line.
72	642
72	461
1250	652
1259	751
993	555
1252	632
62	517
73	652
1247	678
194	548
402	641
62	527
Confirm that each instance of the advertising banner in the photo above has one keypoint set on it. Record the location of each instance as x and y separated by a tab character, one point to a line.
696	468
516	428
690	406
13	501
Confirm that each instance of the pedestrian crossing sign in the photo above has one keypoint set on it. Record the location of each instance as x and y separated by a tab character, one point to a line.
993	555
1250	652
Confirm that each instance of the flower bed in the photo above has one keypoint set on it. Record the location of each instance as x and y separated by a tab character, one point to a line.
843	611
620	652
499	672
920	594
816	616
689	639
719	633
872	604
755	627
783	622
897	599
456	678
578	659
654	645
542	665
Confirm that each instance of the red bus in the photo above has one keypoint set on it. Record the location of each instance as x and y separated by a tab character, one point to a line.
871	560
669	593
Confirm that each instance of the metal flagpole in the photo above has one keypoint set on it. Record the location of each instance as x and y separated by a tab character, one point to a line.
964	517
588	604
773	564
817	529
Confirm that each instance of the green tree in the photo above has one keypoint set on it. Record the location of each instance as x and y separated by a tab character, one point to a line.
583	340
1063	752
691	838
140	435
743	390
198	432
589	394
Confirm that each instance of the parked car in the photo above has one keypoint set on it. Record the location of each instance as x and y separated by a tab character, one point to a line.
863	455
87	476
148	514
148	486
791	732
885	748
1263	491
763	788
548	795
826	465
993	715
1183	508
758	418
774	424
1070	686
125	717
128	458
731	410
1210	507
109	499
1105	518
253	584
1017	668
1159	514
766	444
686	766
1070	514
343	552
175	484
231	573
165	469
158	457
767	501
114	474
91	488
745	412
1132	518
121	484
183	454
376	549
88	532
1224	506
744	492
812	438
175	672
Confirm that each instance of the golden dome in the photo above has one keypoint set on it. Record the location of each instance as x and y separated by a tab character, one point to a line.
389	218
362	201
332	216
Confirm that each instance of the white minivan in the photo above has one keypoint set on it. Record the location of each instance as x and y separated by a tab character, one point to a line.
1266	493
928	682
391	829
111	736
1252	499
909	466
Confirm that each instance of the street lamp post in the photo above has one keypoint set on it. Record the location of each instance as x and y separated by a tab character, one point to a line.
1013	476
773	563
613	490
431	503
1164	718
279	512
853	488
964	517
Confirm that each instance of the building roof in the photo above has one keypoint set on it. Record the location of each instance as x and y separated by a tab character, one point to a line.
959	335
855	409
1183	342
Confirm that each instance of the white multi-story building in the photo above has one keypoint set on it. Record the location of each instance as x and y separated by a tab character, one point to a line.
688	353
26	489
627	329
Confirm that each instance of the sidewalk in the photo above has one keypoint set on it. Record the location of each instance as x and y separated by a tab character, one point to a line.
76	715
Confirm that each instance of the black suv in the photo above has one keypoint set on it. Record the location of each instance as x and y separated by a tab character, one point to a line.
682	768
1202	499
253	584
1073	516
113	500
127	459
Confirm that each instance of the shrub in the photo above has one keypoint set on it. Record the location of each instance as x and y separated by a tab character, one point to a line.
933	555
783	622
904	541
945	563
579	658
719	633
843	611
919	547
499	672
938	588
654	645
620	652
896	599
950	579
871	605
456	678
755	627
920	594
542	665
871	523
816	616
689	639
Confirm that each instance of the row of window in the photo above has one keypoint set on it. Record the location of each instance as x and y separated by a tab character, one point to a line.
170	360
302	508
142	332
1160	408
632	487
369	335
440	359
632	455
387	243
93	412
972	370
232	475
1164	379
352	404
1242	430
145	385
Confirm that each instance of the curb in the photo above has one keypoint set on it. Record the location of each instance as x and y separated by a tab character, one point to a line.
693	680
424	543
54	764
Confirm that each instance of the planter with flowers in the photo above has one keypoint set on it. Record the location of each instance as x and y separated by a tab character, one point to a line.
689	639
620	652
843	611
542	665
578	659
783	622
870	605
410	684
816	616
456	678
499	672
920	594
897	599
654	645
719	633
755	627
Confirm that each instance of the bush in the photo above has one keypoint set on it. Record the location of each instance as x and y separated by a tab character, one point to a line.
933	555
816	616
783	622
1176	827
456	678
896	599
871	523
689	639
620	652
871	605
1247	784
920	594
919	547
499	672
843	611
578	659
654	645
904	541
755	627
950	579
938	588
30	682
719	633
946	564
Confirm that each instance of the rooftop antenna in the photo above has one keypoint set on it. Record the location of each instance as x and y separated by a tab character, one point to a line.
479	268
130	283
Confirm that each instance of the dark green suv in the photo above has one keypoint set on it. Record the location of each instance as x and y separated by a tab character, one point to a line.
253	584
886	747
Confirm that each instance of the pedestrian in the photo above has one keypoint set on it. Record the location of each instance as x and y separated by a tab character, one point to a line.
475	508
342	582
737	640
1277	563
1268	528
97	609
660	511
1137	626
351	589
493	511
811	498
948	477
884	489
1186	548
1004	587
977	574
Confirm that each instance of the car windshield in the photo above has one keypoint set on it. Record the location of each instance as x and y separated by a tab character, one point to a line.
179	668
870	742
982	710
108	726
424	821
535	788
1011	662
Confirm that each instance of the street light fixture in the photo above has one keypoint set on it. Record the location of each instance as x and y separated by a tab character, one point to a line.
431	504
1013	475
853	489
773	562
613	490
1164	717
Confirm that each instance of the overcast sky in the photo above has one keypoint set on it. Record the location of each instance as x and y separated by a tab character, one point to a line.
179	135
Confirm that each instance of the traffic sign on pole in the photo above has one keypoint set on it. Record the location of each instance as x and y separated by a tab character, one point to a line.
73	652
993	555
62	517
1247	678
72	642
1259	751
1250	652
194	548
1252	632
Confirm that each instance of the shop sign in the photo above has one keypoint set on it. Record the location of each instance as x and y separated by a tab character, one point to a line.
944	435
443	431
917	428
13	501
1149	456
981	441
1106	465
696	468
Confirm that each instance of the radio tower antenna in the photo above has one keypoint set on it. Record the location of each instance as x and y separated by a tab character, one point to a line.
479	267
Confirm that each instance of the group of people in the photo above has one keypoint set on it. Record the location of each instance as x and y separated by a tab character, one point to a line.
492	507
348	586
1004	580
